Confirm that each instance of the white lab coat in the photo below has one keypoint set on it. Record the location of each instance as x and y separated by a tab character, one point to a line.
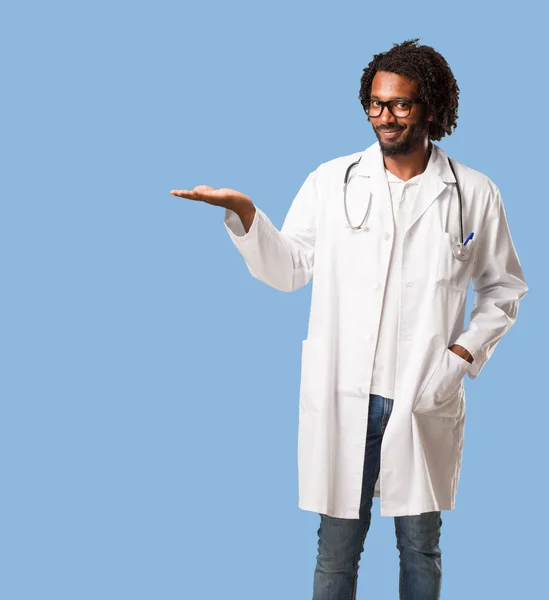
422	446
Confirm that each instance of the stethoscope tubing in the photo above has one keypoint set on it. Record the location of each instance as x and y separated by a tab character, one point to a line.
460	204
345	197
346	180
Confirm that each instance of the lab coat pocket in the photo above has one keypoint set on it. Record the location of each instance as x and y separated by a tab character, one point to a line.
451	272
315	378
440	395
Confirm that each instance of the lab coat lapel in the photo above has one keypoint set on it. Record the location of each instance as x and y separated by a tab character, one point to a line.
372	168
435	178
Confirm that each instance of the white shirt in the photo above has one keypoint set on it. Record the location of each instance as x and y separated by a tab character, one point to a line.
403	195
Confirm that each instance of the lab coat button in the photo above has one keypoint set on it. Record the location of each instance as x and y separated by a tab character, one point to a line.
410	284
362	391
376	286
387	235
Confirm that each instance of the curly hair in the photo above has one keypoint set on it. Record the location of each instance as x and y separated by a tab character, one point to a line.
437	87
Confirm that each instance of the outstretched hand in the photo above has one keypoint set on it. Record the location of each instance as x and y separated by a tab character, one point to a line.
224	197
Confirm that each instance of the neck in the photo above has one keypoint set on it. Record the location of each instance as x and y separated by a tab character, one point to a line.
406	166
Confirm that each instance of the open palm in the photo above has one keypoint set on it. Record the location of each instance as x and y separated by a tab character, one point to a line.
221	197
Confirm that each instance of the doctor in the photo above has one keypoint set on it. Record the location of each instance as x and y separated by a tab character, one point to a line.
382	401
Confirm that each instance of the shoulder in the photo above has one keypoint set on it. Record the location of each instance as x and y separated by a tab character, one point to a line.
333	171
480	194
472	180
339	163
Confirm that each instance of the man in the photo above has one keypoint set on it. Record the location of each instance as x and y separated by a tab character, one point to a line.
391	272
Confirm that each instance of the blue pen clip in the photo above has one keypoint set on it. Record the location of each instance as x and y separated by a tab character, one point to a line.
469	237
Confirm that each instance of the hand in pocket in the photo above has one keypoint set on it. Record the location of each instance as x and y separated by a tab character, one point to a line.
443	384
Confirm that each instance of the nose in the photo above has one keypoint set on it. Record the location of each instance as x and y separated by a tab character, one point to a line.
386	117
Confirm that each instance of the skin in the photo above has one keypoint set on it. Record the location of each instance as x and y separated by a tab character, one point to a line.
405	156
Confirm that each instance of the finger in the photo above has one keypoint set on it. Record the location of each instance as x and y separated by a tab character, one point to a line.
181	192
195	192
198	191
191	194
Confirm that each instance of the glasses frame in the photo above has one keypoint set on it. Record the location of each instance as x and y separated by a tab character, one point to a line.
386	104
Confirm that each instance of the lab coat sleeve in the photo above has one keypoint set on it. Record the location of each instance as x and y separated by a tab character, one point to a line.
499	286
282	259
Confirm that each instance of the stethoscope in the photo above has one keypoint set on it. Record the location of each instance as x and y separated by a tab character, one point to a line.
460	251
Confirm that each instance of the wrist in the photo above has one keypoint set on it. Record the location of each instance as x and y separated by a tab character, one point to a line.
246	209
247	216
240	206
462	352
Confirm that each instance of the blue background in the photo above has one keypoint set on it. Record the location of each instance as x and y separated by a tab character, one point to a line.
149	385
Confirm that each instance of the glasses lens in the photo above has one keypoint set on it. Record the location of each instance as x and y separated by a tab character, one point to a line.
374	108
400	108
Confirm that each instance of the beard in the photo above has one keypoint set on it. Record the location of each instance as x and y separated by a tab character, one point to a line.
410	138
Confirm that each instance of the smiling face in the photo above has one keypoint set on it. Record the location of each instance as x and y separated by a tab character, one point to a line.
409	132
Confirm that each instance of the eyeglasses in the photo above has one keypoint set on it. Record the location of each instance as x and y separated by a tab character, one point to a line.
398	108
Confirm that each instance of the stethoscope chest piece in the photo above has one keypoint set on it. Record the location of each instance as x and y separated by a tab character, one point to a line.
461	252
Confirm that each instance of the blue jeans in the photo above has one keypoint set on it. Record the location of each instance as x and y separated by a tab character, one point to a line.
341	541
